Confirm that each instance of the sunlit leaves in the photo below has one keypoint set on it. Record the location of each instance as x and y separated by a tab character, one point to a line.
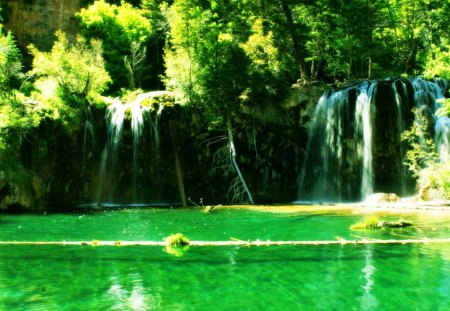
76	66
10	63
121	28
123	23
260	48
17	113
438	63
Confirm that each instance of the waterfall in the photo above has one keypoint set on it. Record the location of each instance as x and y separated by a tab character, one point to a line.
363	116
329	151
400	94
442	138
88	134
354	139
428	95
114	117
114	168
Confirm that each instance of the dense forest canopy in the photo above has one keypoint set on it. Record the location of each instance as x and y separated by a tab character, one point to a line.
220	55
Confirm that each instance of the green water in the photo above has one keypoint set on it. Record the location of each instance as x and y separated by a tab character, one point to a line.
350	277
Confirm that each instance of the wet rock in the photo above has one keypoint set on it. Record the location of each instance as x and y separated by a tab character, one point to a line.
20	190
382	198
394	224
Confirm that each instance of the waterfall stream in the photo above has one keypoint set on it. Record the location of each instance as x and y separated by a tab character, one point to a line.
135	115
355	148
364	113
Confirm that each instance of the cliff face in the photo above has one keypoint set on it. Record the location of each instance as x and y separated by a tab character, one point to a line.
35	21
60	167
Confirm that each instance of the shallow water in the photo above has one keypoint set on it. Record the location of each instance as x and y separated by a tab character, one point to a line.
349	277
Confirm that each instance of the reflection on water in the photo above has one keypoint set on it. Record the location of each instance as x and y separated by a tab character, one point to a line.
136	298
368	301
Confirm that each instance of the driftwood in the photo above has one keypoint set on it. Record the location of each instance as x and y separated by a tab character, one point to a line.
233	242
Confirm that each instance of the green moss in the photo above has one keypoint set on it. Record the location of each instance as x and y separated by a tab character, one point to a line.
176	244
145	102
177	239
369	222
128	114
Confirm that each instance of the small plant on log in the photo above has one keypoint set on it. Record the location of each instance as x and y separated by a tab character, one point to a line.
176	244
369	222
177	239
373	222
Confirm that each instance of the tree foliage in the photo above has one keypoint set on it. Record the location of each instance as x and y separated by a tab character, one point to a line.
76	66
17	116
10	64
125	32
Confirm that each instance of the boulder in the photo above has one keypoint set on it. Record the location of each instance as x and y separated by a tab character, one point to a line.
382	198
20	189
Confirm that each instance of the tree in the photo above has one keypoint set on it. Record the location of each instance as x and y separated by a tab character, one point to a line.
76	66
125	33
296	42
409	29
16	115
155	11
10	64
204	61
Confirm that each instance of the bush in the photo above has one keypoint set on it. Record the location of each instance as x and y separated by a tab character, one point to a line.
434	182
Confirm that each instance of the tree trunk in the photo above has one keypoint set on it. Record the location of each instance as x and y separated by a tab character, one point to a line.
295	41
178	169
314	68
370	68
233	159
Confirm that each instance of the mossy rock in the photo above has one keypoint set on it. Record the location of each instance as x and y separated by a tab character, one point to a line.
20	189
372	222
177	239
395	224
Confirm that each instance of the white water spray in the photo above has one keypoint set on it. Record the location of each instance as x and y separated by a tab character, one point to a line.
364	112
116	114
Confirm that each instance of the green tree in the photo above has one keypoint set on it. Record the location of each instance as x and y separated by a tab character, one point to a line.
10	64
438	65
125	33
77	67
17	114
409	29
205	62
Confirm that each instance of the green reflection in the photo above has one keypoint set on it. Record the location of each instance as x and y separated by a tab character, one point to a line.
351	277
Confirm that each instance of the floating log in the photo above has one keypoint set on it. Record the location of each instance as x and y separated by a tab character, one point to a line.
232	242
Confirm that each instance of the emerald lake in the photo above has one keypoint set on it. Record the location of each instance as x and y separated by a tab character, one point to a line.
311	277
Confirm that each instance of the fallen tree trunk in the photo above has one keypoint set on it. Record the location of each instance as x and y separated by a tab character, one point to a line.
233	242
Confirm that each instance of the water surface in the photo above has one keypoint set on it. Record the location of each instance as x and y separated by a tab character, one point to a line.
350	277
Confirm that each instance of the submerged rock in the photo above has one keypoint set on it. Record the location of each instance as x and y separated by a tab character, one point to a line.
394	224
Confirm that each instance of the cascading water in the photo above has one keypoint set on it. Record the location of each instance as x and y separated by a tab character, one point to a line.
363	116
137	125
327	156
399	90
442	139
113	156
88	149
428	96
115	116
355	147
